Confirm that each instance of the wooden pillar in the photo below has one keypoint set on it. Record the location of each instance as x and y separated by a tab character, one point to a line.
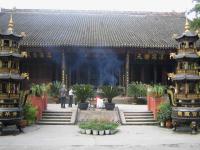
164	75
142	73
88	74
127	72
119	77
155	74
63	67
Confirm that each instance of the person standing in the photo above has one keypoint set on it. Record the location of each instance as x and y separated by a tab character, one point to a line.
63	92
71	94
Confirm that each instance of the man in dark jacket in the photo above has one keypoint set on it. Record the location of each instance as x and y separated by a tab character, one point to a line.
63	92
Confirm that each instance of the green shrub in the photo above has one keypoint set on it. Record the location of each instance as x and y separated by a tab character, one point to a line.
30	113
98	125
85	125
121	90
37	90
165	111
54	88
156	90
110	92
83	92
137	89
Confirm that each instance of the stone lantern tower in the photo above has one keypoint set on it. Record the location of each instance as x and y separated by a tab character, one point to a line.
186	98
10	77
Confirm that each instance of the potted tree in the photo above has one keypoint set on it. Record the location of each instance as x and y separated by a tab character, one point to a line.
109	92
83	92
164	114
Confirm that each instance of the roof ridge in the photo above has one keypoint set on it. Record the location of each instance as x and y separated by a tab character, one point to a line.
89	11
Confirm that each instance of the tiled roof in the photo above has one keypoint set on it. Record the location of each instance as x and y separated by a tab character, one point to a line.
96	28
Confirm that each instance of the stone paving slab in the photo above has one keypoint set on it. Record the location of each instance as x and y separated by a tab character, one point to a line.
57	107
122	107
134	108
129	137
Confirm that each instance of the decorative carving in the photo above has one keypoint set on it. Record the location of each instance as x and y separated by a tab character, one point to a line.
14	114
7	114
187	81
139	56
25	75
172	55
24	54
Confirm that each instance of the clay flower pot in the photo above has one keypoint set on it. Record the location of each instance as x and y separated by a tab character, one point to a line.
168	124
23	123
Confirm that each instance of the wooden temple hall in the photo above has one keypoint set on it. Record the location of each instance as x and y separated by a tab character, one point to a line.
96	47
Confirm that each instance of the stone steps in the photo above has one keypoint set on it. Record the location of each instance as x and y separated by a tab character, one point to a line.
138	118
141	123
54	123
56	118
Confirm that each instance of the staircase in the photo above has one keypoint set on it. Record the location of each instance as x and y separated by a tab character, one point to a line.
138	118
57	118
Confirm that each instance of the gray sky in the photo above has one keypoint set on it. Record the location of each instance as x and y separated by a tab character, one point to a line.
131	5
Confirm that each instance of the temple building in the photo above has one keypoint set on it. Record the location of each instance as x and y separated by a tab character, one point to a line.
96	47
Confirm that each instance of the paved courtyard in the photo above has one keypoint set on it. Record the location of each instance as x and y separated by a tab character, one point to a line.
128	138
67	137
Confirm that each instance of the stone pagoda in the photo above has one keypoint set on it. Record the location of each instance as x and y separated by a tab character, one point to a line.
10	78
186	79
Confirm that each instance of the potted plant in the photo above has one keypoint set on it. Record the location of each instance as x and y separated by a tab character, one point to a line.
95	127
113	128
108	127
95	130
83	92
54	89
37	98
83	126
29	113
101	128
109	92
155	97
138	90
164	114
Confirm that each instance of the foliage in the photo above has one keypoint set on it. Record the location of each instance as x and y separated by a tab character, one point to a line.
137	89
38	89
165	111
30	113
98	125
23	96
54	88
109	92
156	90
195	23
121	90
85	125
83	92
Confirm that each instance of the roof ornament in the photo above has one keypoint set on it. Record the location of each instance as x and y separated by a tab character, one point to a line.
11	25
187	25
